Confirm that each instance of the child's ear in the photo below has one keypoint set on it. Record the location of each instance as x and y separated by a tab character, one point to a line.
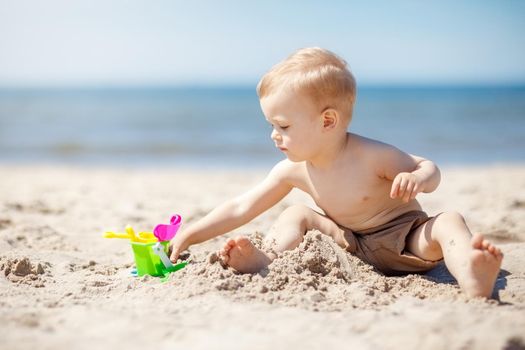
330	118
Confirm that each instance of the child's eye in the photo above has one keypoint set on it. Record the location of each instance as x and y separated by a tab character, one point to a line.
285	127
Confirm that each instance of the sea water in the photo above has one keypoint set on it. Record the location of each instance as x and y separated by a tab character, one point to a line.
224	126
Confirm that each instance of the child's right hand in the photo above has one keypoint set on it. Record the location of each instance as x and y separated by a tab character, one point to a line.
178	244
173	253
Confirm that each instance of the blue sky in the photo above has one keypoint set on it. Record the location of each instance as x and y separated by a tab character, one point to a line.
109	42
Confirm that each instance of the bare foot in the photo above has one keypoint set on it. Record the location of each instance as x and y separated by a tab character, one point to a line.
243	256
484	264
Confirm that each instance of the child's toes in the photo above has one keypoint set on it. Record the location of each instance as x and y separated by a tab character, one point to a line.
227	247
224	258
224	253
243	242
485	244
476	241
498	253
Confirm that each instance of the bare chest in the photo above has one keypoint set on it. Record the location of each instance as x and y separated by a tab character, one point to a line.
349	198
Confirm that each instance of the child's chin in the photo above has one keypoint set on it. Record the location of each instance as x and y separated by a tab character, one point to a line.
294	159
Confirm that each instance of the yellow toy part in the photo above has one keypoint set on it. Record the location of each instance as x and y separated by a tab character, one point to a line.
142	237
148	236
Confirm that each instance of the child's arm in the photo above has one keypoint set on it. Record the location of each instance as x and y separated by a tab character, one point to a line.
237	211
409	174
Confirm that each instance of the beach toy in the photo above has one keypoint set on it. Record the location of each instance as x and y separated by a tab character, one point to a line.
143	237
158	250
151	262
150	248
167	232
161	251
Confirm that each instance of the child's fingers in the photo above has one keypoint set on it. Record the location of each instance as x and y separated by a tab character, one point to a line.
174	255
415	191
408	191
395	188
402	187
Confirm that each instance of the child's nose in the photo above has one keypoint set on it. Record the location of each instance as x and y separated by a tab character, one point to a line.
275	135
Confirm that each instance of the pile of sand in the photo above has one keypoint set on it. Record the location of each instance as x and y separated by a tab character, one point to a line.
22	271
317	275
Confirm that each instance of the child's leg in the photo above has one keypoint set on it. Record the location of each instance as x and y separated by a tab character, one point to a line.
473	261
286	233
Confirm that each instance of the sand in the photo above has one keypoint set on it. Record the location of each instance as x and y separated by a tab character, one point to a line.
62	285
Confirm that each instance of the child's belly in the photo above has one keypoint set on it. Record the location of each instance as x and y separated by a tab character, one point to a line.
373	216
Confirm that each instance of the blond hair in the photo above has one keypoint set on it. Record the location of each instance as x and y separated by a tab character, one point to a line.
319	73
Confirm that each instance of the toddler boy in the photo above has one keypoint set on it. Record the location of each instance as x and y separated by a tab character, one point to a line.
366	189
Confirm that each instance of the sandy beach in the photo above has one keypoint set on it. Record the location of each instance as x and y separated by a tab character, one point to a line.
63	286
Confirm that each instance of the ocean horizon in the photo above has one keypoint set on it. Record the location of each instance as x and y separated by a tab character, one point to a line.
223	126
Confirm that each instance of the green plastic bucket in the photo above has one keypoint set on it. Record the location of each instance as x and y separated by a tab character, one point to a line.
148	263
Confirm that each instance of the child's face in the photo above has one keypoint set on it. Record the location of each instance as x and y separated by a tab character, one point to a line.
296	124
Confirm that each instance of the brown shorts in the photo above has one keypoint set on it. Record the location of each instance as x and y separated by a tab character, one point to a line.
384	246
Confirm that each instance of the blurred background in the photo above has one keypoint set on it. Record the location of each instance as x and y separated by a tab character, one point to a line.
172	83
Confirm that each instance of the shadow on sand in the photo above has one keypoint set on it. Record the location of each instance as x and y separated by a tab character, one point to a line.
440	274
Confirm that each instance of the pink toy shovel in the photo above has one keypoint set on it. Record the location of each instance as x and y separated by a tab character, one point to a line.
167	232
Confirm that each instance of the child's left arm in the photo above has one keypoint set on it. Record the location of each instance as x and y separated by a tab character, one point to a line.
409	174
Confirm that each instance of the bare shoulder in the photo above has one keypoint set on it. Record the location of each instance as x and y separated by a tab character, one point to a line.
288	172
370	148
386	159
366	143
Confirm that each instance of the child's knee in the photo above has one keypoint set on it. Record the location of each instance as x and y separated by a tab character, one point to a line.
447	224
298	214
450	217
297	211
